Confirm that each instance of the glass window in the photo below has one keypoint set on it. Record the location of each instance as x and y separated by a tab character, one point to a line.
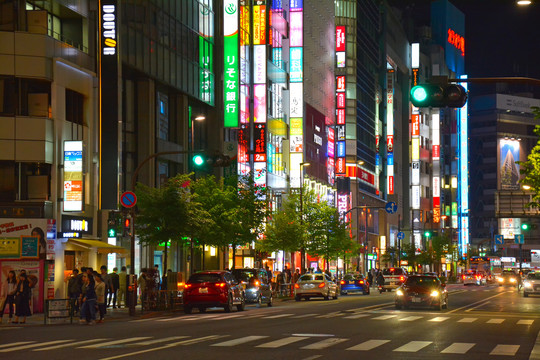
201	278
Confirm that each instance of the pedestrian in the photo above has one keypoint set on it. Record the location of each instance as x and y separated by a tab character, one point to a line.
8	290
380	279
115	281
370	277
280	282
88	307
142	285
22	299
122	289
296	275
108	282
100	297
157	277
269	272
74	289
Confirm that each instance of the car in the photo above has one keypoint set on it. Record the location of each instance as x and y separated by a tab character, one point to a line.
354	283
531	284
257	287
508	277
393	278
315	285
422	290
474	278
216	288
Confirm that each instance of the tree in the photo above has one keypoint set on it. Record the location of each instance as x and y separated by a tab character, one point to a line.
390	256
408	253
531	168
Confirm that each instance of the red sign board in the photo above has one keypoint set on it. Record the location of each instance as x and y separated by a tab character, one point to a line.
415	119
390	143
340	38
340	113
457	40
436	152
260	138
340	166
340	83
340	100
390	185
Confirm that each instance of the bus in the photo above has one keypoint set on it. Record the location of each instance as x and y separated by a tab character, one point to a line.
490	266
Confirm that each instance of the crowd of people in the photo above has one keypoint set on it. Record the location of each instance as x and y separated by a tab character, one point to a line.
17	295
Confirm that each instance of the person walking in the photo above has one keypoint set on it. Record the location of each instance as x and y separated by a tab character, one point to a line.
88	308
108	282
115	281
100	297
74	290
370	278
22	299
8	290
141	282
296	275
122	288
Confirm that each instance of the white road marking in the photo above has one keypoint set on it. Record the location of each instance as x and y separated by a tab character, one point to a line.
225	317
89	341
368	345
114	342
323	344
411	318
30	346
331	315
282	342
413	346
239	341
486	300
458	348
506	350
468	320
157	341
16	343
535	353
439	319
495	321
277	316
385	317
356	316
151	319
304	316
525	322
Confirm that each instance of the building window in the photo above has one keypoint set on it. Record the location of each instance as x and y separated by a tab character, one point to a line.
74	107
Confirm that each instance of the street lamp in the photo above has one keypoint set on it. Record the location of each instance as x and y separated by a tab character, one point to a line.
192	147
302	250
524	2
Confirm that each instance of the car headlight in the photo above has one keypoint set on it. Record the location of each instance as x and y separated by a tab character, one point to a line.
527	284
435	293
500	279
512	280
399	292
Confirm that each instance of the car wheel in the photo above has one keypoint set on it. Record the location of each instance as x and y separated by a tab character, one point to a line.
242	305
187	309
229	305
202	309
297	298
271	301
336	295
525	294
259	301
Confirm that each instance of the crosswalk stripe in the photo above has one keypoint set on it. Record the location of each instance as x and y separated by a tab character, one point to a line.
495	321
225	317
458	348
304	316
356	316
323	344
468	320
385	317
240	341
411	318
331	315
114	342
178	318
150	319
16	343
196	340
525	322
30	346
508	350
413	346
368	345
282	342
277	316
89	341
157	341
439	319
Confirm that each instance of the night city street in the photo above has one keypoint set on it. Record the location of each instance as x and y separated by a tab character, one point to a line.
482	321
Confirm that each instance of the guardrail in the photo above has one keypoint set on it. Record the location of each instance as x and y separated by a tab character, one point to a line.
155	300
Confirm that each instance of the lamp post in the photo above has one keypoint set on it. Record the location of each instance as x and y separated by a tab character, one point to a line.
302	250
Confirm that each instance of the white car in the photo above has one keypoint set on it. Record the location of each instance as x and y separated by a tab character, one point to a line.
474	278
531	284
315	285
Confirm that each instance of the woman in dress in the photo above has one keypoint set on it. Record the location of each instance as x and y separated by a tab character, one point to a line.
22	299
9	290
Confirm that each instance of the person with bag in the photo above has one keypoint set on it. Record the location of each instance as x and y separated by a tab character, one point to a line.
22	299
8	290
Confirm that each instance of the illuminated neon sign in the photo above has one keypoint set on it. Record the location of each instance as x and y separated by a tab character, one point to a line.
108	28
231	63
457	40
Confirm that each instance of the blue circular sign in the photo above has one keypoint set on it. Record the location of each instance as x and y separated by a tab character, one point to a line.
128	199
401	235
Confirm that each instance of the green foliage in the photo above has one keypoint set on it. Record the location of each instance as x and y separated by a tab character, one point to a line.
284	229
530	169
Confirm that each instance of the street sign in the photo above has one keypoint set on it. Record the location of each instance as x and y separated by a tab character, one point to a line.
128	199
401	235
391	207
519	239
499	239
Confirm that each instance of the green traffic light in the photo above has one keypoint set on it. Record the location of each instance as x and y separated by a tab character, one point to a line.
524	226
427	234
198	160
112	233
419	93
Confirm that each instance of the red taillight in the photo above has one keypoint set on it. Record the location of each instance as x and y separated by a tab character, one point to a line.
257	283
188	286
220	284
361	282
463	277
477	277
401	278
296	286
342	282
321	285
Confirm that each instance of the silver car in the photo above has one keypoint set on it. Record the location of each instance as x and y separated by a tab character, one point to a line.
315	285
531	284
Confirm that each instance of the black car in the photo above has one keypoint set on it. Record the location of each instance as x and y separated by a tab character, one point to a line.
256	285
422	290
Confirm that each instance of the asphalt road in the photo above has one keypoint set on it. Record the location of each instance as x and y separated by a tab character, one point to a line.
481	322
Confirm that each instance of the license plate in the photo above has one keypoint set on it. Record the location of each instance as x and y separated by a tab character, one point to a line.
416	299
351	282
203	290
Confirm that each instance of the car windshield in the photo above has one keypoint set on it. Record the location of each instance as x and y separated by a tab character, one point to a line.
508	273
533	276
353	277
201	278
311	277
423	281
393	272
243	275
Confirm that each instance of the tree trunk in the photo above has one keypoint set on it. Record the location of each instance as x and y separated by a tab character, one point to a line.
233	257
165	252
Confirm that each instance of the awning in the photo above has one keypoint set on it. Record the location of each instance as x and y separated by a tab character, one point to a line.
101	246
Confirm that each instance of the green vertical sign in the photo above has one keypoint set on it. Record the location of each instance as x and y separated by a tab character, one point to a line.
231	66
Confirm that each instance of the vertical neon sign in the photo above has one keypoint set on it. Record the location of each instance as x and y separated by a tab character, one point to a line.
231	63
390	133
259	92
463	175
296	88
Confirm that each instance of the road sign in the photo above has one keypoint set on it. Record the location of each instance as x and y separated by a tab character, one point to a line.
499	239
401	235
128	199
519	239
391	207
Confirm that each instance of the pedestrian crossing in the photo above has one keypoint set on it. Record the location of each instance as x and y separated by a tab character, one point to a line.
296	341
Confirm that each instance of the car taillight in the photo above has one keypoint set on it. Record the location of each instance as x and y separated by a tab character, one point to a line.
361	281
188	286
463	277
220	284
478	277
296	286
321	285
401	278
257	283
342	282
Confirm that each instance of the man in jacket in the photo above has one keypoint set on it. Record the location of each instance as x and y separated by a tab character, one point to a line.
74	289
115	280
107	280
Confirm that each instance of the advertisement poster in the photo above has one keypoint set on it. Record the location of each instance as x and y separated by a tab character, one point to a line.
11	228
34	270
509	170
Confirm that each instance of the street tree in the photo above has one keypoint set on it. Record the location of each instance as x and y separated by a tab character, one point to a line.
530	169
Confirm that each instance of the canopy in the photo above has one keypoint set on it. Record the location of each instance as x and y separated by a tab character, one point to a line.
102	247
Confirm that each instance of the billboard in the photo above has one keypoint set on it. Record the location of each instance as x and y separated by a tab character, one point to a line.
73	176
508	168
231	63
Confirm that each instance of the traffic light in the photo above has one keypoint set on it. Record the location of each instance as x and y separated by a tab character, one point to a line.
112	224
427	234
525	226
198	160
439	95
126	222
216	160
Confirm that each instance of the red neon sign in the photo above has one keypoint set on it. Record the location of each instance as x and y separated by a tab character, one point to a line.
340	38
457	40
